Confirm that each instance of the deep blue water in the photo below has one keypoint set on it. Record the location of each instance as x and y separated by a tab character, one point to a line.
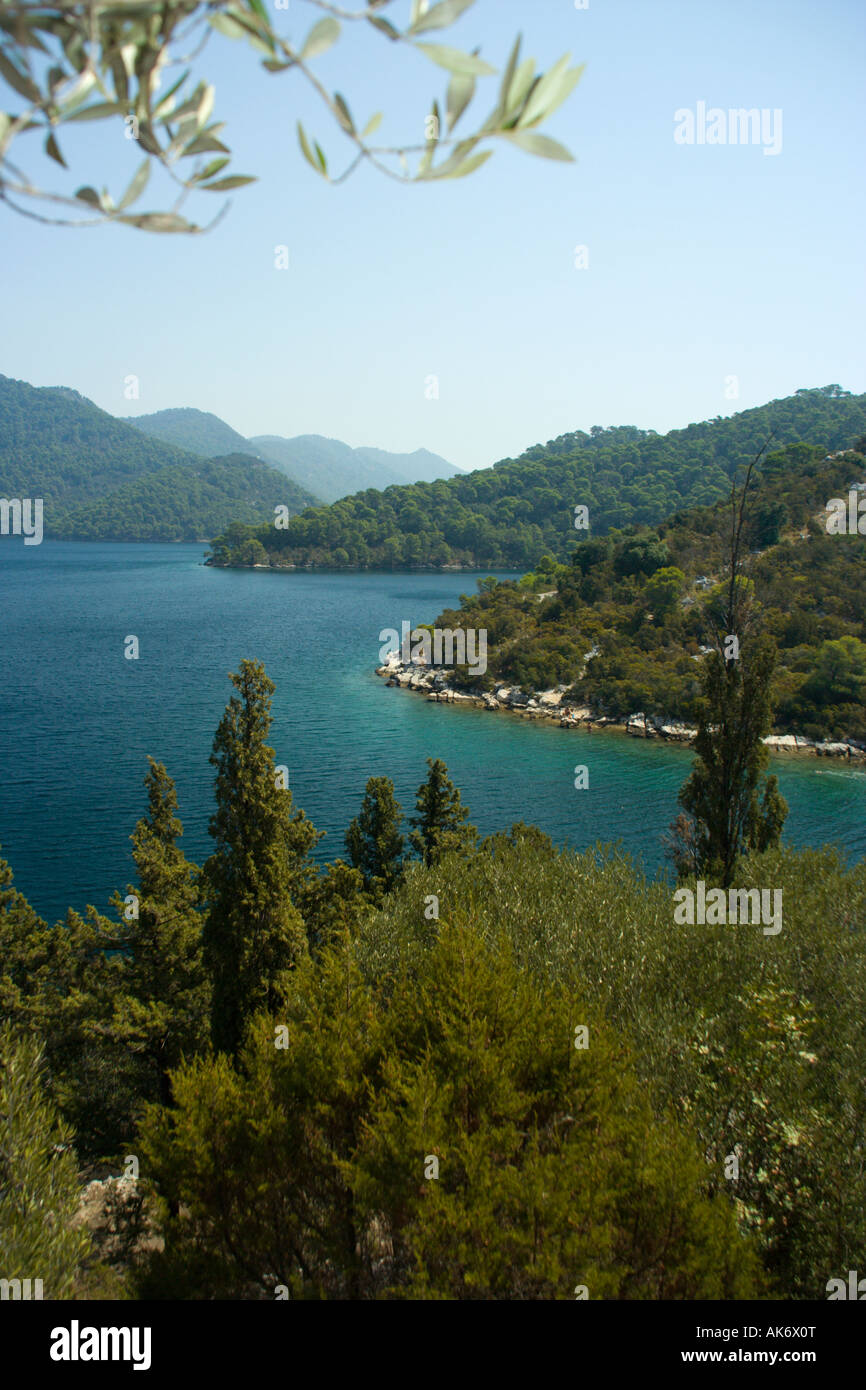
77	720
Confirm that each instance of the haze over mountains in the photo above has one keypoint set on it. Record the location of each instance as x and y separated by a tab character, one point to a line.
176	475
327	468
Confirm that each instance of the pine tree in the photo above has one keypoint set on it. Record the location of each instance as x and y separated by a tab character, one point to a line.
440	825
553	1168
254	933
373	839
165	1008
64	985
511	1165
38	1177
334	904
24	938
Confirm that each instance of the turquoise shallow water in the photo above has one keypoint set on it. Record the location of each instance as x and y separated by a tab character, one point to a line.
77	719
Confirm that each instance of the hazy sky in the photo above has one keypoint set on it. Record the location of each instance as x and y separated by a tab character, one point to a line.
706	261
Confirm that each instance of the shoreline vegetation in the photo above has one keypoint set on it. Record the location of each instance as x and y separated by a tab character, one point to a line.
618	637
554	706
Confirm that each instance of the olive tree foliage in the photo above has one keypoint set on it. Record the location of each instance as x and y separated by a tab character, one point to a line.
131	63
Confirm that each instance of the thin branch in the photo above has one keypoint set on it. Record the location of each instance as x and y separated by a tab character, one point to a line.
339	13
176	23
47	221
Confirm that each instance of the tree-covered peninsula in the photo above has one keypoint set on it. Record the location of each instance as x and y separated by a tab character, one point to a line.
622	626
510	515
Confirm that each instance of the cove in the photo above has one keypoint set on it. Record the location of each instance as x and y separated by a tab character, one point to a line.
77	720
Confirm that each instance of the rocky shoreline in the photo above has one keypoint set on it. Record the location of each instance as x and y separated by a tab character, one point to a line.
548	704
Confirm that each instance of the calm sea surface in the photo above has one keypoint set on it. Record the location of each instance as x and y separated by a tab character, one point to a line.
77	720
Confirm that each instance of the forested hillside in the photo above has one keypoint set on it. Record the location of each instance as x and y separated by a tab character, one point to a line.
192	502
197	431
101	479
509	515
57	445
637	602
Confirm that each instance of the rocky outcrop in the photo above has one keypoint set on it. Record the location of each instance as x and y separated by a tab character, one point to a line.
677	731
653	726
788	743
119	1218
549	704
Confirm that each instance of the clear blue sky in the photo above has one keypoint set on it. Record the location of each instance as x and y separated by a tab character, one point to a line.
704	261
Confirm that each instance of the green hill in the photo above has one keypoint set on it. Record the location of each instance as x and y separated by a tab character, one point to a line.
197	431
190	502
100	478
621	628
57	445
509	515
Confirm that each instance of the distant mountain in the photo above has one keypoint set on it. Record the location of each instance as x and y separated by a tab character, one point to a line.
333	470
418	467
327	469
101	479
196	431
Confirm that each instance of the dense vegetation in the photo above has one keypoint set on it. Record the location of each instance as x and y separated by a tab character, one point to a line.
643	600
101	479
512	514
186	503
57	445
488	1070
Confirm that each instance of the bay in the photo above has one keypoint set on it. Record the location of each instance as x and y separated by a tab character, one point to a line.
77	719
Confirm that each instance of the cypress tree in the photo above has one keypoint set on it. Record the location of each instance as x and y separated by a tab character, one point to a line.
335	903
373	839
254	934
440	825
166	987
731	807
734	808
